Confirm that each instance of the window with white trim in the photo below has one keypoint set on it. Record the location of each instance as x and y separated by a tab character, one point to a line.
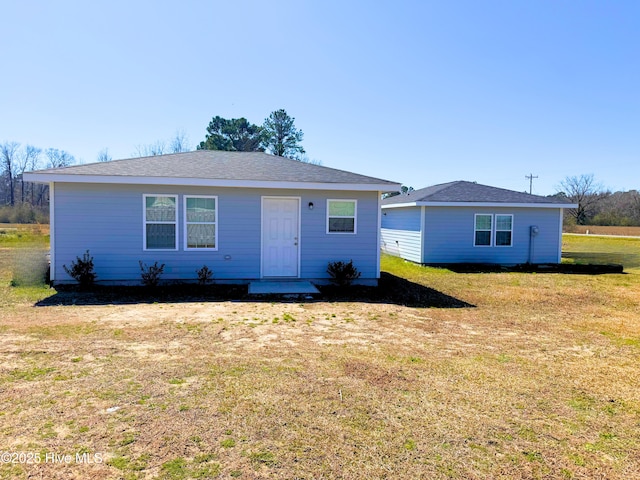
341	216
504	230
483	230
160	222
493	230
201	225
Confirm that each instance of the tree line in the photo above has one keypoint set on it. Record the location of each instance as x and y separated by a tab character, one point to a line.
598	205
26	202
20	201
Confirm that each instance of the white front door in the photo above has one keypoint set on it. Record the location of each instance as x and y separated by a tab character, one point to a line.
280	236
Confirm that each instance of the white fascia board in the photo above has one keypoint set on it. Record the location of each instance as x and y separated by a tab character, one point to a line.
204	182
404	205
481	205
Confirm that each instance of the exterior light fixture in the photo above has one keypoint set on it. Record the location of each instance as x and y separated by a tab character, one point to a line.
310	205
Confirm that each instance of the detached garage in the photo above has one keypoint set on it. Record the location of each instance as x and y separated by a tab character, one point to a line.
465	222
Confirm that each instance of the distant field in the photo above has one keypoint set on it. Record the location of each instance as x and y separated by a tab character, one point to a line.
600	230
22	250
19	228
602	250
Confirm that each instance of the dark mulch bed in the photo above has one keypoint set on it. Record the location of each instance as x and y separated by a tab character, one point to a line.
119	295
391	289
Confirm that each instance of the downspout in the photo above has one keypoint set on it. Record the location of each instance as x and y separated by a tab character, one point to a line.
423	233
533	232
379	232
52	233
560	235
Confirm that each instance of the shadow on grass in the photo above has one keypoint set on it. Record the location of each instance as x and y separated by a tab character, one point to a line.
394	290
391	289
567	268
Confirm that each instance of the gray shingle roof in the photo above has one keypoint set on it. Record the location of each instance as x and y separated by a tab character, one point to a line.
470	192
219	165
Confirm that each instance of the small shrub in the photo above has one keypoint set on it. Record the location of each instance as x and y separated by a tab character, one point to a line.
204	275
342	273
82	270
150	274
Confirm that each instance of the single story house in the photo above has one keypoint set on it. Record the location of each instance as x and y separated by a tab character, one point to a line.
465	222
245	215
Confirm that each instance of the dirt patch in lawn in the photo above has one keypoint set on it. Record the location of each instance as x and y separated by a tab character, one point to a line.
538	380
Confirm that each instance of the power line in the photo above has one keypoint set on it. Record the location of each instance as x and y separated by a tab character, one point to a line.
530	177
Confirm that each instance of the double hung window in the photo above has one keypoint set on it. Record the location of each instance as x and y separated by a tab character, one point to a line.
200	223
504	230
341	216
160	222
493	230
483	230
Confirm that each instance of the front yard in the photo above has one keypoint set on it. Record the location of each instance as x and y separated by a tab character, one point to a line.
514	376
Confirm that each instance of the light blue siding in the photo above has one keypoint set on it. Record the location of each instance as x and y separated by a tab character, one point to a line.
400	234
108	221
449	235
404	218
319	247
401	244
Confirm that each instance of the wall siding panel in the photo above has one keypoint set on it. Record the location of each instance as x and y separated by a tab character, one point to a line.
449	236
400	234
401	243
108	221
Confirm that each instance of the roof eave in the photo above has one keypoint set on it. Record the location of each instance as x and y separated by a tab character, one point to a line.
480	204
206	182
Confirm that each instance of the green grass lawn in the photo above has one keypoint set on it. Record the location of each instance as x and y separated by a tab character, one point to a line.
507	375
584	249
22	255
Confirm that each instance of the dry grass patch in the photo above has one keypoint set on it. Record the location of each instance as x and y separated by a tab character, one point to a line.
537	379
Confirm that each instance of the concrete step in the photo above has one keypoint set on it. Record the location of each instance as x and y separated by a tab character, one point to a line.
283	287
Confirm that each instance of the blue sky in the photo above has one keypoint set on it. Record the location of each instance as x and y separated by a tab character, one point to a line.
416	92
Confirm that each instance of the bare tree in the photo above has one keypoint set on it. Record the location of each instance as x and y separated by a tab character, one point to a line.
59	158
307	159
28	158
103	155
8	155
179	143
584	191
157	148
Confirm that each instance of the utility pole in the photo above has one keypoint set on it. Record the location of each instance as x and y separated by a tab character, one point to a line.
530	177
